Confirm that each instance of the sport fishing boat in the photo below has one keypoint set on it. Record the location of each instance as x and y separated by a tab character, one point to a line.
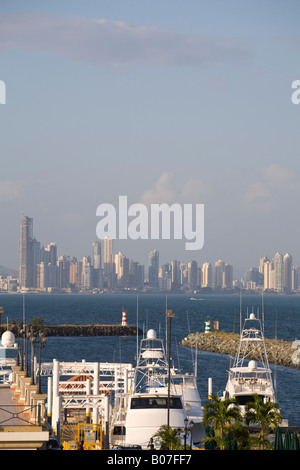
250	373
159	396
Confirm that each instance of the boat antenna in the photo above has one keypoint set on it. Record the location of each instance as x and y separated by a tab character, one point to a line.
166	309
263	311
275	368
23	308
189	329
240	311
137	327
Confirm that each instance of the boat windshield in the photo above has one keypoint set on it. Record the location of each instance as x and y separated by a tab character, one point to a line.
243	399
155	402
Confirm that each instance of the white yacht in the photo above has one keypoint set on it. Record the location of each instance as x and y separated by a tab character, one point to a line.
250	373
8	354
154	400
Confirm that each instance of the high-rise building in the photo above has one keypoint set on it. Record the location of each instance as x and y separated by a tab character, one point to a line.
26	269
192	274
122	270
52	250
109	267
153	267
262	262
176	274
206	274
223	275
97	262
108	256
87	274
268	275
219	269
63	272
278	272
136	274
227	277
96	254
287	272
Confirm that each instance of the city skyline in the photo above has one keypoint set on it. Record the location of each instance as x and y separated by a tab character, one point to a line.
42	268
165	102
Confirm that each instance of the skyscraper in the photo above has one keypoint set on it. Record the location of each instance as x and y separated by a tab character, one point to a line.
26	268
206	274
219	269
278	272
192	274
287	272
96	254
108	256
109	269
153	268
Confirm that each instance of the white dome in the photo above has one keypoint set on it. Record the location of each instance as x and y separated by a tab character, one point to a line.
151	334
8	339
252	365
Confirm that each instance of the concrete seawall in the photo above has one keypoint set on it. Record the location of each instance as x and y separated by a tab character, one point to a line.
278	351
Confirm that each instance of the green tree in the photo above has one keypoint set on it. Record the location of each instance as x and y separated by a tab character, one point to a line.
264	414
168	437
37	321
221	414
240	434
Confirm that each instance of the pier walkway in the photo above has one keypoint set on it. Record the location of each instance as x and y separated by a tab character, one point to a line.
11	413
20	424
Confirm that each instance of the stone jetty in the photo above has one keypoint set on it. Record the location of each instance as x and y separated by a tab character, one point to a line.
278	351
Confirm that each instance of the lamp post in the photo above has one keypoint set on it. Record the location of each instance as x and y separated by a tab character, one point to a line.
26	338
32	340
170	315
42	343
187	430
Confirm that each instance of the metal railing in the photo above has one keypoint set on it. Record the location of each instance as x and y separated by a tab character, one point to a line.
20	415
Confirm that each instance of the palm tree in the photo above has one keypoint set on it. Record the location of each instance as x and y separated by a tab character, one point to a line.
220	414
265	414
168	437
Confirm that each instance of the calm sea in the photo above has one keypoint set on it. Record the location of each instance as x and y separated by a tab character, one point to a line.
281	319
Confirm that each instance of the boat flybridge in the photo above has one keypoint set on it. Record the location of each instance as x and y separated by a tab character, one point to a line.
250	373
8	353
159	396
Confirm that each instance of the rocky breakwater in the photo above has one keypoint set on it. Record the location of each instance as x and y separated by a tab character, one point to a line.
278	351
83	330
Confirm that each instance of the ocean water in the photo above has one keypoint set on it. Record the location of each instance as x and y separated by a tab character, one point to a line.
281	319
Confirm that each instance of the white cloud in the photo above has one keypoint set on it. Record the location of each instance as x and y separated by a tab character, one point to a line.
276	182
115	43
167	191
276	174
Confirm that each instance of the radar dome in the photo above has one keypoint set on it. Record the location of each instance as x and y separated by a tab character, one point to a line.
151	334
8	339
252	365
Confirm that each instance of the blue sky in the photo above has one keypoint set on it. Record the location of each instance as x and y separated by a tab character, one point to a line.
165	101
